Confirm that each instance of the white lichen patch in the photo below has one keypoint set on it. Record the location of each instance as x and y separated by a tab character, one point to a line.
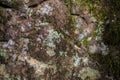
52	38
80	60
39	40
103	48
99	48
93	49
80	37
50	52
41	23
46	9
9	44
93	19
84	34
77	60
85	60
78	22
89	74
44	23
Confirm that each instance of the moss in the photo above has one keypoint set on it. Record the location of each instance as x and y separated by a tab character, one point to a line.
1	10
109	63
101	9
17	4
1	15
68	3
4	16
111	34
71	27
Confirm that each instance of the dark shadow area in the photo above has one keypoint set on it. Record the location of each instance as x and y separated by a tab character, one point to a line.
111	37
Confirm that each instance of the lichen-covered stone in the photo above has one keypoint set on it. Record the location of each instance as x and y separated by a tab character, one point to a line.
55	40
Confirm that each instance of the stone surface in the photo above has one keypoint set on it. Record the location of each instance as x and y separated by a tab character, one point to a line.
52	40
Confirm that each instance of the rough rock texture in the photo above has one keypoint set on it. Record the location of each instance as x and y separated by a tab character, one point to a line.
52	40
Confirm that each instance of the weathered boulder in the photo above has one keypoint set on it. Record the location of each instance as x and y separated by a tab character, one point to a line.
52	40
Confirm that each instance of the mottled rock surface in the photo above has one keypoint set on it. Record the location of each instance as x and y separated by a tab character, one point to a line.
52	40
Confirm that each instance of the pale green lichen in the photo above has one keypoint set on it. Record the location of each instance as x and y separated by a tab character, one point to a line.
85	60
93	49
62	53
80	60
53	38
3	53
76	59
89	74
50	52
98	48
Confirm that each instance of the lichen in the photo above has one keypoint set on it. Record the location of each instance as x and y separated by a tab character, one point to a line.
76	59
89	74
78	23
46	10
3	53
62	53
52	38
50	52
